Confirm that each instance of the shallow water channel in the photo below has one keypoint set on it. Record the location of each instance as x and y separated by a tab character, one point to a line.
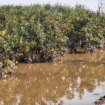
79	79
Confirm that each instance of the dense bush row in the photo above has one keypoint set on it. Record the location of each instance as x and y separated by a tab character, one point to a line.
44	33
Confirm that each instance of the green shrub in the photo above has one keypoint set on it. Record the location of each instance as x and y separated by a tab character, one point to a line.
43	33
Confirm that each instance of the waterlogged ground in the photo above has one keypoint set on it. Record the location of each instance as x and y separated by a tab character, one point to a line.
76	80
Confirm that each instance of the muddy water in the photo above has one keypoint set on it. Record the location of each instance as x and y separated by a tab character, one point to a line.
76	80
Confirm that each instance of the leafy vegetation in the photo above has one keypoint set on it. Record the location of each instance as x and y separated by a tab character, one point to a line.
43	33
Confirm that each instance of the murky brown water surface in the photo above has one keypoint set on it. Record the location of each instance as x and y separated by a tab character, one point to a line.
76	80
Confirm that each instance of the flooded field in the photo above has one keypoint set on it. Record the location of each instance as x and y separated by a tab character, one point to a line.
76	80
